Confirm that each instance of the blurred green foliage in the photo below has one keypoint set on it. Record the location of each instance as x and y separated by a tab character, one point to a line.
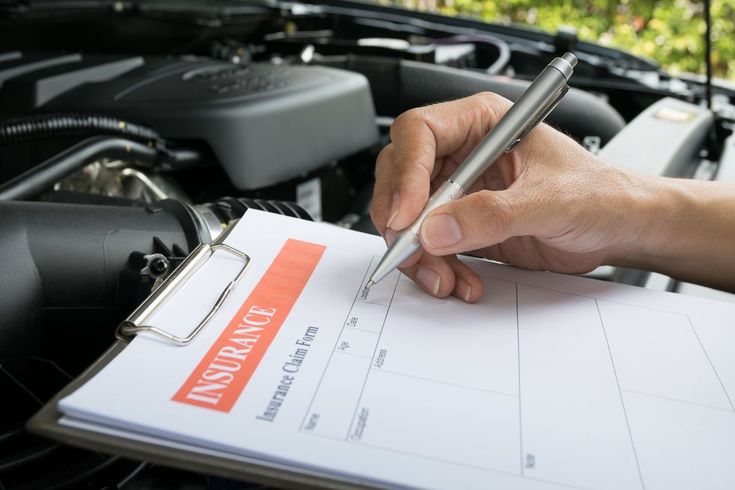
670	32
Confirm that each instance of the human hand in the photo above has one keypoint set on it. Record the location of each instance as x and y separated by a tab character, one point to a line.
547	205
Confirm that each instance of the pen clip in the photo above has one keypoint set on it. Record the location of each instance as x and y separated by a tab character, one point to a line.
553	102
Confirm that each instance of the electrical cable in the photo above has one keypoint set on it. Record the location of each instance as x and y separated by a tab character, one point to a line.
708	51
503	49
714	148
45	126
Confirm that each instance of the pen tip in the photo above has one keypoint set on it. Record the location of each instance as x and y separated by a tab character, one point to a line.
369	284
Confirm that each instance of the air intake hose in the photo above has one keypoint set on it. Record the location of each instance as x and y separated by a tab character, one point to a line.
68	257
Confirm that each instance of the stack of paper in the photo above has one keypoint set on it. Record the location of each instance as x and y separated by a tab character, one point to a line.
549	381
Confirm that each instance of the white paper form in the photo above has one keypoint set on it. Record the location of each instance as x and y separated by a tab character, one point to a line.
549	381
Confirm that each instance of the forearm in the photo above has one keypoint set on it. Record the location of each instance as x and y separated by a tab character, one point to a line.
684	229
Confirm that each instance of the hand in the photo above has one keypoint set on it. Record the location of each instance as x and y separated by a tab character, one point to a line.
547	205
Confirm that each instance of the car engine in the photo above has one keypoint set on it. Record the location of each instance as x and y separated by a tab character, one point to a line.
130	132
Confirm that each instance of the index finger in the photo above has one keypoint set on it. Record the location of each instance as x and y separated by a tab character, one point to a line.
420	136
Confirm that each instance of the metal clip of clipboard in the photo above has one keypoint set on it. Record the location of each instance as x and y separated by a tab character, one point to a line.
135	323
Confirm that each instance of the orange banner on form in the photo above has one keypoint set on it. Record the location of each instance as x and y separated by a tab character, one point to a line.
226	368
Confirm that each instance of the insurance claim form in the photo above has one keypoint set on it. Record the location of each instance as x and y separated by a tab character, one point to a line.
549	381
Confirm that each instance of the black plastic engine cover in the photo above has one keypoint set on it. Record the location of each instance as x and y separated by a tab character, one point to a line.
266	124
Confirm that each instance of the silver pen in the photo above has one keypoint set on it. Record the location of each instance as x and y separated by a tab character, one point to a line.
529	110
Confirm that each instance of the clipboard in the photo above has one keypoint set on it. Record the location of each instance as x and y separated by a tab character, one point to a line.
46	422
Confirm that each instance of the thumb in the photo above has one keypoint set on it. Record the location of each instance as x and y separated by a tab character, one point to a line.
480	220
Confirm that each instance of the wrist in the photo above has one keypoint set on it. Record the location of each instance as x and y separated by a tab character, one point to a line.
654	210
680	227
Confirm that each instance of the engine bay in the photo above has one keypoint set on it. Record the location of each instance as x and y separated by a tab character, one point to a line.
130	132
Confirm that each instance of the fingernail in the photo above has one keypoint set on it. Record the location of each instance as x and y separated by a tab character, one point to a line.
390	237
463	290
440	231
394	207
428	279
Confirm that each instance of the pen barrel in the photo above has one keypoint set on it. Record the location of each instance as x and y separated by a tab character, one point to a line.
407	242
530	108
449	191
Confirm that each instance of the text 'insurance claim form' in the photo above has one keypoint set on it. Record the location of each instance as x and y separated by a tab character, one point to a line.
549	381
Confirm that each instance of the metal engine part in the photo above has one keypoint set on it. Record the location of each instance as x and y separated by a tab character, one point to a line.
117	178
